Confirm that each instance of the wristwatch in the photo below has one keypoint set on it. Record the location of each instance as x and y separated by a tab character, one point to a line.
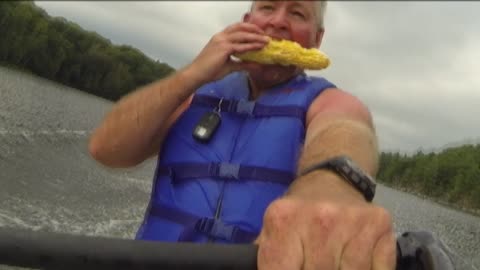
346	168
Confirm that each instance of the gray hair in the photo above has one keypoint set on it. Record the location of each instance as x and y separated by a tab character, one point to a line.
320	8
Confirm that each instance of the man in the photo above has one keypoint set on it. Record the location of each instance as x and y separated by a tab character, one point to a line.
243	172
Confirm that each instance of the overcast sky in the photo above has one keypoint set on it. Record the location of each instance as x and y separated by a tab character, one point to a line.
415	64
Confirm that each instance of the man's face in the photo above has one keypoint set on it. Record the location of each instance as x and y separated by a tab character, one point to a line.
291	20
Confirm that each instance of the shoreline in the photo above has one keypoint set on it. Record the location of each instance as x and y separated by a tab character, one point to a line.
17	68
456	207
30	73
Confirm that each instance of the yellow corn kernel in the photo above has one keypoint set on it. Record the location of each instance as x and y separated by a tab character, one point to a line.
286	52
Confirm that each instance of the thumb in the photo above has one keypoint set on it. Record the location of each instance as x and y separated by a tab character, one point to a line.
277	252
235	64
229	67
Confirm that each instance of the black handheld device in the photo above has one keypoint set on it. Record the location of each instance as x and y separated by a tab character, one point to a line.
207	126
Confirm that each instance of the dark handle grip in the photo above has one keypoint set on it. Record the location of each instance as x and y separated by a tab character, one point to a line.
47	250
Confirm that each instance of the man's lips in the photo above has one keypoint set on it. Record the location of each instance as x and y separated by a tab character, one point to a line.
277	37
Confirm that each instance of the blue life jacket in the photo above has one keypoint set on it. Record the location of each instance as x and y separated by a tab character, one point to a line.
218	191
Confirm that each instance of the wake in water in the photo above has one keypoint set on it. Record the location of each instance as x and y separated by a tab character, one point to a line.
41	216
52	184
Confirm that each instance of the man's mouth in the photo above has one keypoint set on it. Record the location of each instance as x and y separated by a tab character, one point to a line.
277	37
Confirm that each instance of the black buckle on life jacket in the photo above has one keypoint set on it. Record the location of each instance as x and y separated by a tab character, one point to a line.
167	171
216	228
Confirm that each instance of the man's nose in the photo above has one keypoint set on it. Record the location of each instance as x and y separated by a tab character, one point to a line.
279	20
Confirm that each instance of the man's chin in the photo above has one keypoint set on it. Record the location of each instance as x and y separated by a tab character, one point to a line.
268	68
268	76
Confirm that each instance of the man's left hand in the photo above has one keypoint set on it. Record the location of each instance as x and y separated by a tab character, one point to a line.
302	234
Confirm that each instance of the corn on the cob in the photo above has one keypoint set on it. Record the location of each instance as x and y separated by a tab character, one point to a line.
285	52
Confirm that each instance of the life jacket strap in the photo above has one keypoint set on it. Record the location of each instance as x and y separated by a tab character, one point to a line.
226	171
214	228
250	108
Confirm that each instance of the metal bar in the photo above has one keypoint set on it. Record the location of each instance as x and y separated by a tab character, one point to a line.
47	250
53	251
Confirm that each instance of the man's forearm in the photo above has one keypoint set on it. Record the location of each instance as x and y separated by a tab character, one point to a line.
336	136
138	122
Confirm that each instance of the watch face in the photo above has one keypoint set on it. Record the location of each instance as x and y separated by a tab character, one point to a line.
359	170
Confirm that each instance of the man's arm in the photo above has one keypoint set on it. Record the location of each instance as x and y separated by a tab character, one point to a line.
323	222
136	126
337	124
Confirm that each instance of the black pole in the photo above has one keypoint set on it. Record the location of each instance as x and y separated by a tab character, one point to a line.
63	251
53	251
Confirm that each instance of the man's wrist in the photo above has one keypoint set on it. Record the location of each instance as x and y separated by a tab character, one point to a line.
193	75
349	171
324	185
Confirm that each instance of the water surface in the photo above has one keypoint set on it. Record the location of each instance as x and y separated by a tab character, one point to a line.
49	182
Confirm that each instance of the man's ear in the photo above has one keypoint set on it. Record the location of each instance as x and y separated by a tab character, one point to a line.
319	37
246	17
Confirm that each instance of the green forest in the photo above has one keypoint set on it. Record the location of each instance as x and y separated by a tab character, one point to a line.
451	176
61	51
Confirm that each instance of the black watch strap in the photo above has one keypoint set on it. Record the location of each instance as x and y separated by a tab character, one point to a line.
347	169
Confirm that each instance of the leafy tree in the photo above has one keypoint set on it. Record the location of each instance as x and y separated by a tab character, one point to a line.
452	175
60	50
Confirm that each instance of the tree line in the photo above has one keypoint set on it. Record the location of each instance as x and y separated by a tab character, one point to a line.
452	175
62	51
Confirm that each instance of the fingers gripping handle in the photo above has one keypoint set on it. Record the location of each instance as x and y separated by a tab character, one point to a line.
416	251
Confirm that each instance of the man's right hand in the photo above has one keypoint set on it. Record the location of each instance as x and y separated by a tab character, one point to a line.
214	62
135	128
